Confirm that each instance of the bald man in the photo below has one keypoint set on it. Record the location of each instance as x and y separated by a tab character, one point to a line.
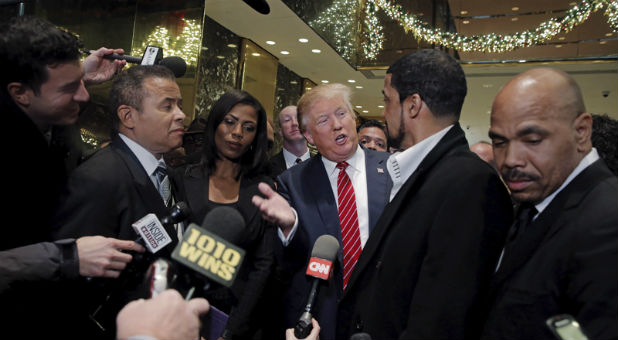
485	152
561	255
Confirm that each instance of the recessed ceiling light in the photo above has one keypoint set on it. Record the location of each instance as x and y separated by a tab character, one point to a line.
514	19
515	9
365	111
558	46
351	81
380	106
303	40
294	82
603	42
255	54
204	48
522	60
359	106
324	81
359	87
285	52
270	42
220	57
232	45
572	3
609	34
464	12
315	50
561	38
308	88
465	22
488	85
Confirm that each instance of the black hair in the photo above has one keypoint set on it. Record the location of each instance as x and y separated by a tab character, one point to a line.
27	46
435	76
253	160
128	88
605	140
371	123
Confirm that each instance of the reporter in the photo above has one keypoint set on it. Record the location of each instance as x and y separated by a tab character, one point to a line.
166	316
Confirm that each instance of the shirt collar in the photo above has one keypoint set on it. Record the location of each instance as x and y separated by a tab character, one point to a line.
356	162
290	158
590	158
148	161
401	165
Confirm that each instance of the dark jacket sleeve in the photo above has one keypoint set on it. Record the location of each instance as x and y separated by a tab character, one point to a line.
45	261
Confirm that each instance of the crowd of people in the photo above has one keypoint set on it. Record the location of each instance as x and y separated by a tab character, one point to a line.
438	239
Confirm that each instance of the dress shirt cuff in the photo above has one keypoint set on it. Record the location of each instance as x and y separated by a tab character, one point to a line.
286	240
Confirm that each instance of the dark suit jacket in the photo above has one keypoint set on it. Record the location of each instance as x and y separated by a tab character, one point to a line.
566	263
432	252
257	240
307	188
105	196
277	165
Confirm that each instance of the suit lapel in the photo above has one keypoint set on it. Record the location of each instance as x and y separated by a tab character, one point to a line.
378	186
147	192
453	141
549	222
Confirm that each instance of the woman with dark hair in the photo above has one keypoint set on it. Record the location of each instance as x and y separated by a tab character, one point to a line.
234	152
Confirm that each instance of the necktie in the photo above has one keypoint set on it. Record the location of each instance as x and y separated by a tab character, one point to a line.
524	217
163	184
348	219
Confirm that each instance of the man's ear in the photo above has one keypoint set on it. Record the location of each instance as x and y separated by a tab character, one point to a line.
126	115
308	136
583	131
412	105
20	93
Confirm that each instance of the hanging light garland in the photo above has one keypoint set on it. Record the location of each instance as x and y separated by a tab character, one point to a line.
340	20
480	43
186	45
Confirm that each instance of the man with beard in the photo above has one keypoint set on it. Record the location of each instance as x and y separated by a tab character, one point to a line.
561	253
427	264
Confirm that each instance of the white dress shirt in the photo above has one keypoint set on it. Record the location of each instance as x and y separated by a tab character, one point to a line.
358	176
290	158
401	165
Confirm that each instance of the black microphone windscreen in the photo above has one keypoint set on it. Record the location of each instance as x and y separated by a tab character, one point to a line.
225	222
181	211
325	247
176	64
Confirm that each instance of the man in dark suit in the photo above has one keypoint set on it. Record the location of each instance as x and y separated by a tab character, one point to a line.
561	254
313	189
430	257
122	183
294	149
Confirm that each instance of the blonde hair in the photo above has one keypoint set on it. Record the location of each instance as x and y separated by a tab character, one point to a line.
322	91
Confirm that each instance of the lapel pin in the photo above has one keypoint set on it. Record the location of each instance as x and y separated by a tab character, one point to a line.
380	170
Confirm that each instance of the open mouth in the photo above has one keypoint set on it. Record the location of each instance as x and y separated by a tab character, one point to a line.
341	139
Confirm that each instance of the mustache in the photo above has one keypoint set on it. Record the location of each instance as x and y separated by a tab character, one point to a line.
518	175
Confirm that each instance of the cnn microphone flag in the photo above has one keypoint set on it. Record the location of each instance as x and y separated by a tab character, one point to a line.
319	268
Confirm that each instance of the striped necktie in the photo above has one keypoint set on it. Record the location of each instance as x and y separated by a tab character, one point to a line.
348	219
163	184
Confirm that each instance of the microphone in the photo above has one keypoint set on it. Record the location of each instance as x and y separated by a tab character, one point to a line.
320	268
152	233
210	249
153	55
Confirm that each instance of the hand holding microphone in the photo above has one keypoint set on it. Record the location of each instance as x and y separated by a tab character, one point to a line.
98	67
102	256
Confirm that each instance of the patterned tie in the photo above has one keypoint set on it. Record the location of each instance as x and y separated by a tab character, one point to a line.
348	219
163	184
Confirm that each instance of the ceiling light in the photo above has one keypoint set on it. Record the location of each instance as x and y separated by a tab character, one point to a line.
365	111
220	57
293	82
465	22
303	40
561	38
522	60
380	106
255	54
464	12
324	81
315	50
603	42
572	3
558	46
308	88
488	85
514	19
351	81
609	34
359	106
359	87
515	9
270	42
285	52
232	45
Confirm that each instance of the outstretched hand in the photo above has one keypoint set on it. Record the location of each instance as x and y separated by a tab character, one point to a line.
274	208
102	256
98	70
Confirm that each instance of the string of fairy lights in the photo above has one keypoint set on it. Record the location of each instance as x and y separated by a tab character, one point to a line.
338	20
186	44
574	16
